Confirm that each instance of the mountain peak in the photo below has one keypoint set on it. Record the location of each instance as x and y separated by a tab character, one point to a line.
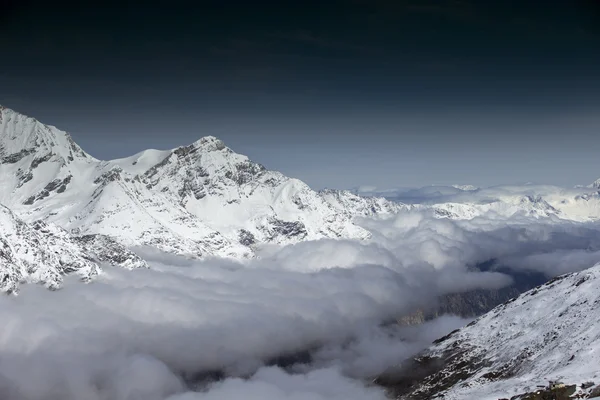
199	199
209	143
22	136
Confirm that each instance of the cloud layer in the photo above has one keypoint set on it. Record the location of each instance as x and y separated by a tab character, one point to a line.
189	329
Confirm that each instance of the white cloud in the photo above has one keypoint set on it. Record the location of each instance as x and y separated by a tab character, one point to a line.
276	384
146	334
136	334
419	239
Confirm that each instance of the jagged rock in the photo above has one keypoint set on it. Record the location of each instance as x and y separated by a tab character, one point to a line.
38	253
246	238
44	253
595	392
39	160
106	249
109	176
563	392
16	157
58	185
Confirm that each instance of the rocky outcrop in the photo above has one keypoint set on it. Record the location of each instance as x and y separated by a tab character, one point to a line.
104	249
43	253
38	253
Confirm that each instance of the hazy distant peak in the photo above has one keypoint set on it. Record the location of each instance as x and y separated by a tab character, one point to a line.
595	184
466	188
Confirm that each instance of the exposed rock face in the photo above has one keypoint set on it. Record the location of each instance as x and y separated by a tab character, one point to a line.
562	392
103	248
38	253
43	253
58	185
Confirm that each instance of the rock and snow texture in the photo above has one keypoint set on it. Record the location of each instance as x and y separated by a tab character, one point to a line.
200	200
38	253
548	333
347	202
104	249
44	253
206	200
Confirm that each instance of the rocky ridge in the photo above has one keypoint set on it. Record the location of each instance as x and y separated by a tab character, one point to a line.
197	200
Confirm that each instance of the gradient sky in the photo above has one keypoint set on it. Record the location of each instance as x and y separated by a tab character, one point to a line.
337	93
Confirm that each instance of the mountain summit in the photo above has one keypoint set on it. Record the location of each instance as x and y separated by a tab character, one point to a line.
202	199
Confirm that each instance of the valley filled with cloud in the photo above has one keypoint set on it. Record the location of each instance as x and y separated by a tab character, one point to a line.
312	320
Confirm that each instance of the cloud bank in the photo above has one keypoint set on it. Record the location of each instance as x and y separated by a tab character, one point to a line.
309	321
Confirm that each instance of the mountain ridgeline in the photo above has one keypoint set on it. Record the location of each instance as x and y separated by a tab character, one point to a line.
197	200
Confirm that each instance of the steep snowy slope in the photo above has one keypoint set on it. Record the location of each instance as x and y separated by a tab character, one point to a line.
38	161
38	253
239	198
44	253
201	200
45	175
548	333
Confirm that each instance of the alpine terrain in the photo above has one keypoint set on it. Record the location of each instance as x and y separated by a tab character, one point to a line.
200	200
44	253
548	334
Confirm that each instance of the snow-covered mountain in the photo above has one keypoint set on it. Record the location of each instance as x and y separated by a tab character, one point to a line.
206	200
44	253
595	184
202	199
550	333
581	204
39	253
536	201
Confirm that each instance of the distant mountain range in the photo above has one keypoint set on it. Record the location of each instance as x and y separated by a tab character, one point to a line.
204	199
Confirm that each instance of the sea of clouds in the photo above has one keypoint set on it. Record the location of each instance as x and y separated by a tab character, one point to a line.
309	321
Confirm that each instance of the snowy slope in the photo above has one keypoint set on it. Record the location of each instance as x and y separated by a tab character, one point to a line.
45	175
548	333
206	200
364	206
44	253
38	253
201	200
240	198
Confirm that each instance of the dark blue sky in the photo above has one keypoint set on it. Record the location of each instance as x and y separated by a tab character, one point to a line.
338	93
